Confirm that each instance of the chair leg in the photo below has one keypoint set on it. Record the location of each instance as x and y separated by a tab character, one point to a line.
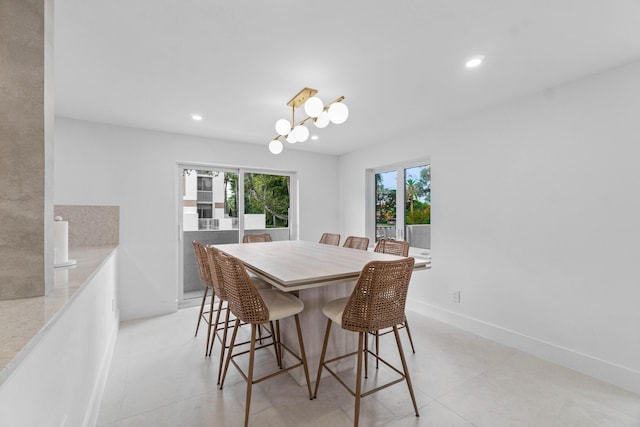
356	415
275	338
406	370
204	297
210	323
406	326
366	351
303	356
249	374
322	355
215	327
223	344
230	352
377	347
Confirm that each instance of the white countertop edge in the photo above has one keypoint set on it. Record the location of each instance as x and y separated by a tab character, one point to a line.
13	364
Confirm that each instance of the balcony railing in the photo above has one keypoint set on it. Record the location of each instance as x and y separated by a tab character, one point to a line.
419	235
214	223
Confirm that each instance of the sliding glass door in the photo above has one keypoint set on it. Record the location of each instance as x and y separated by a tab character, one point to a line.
210	200
402	204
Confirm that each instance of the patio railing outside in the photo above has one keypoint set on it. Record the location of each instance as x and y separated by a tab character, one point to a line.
419	235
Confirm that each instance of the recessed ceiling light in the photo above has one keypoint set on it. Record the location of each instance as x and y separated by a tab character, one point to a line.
196	117
475	61
314	137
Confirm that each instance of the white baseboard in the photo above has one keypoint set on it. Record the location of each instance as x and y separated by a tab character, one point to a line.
93	409
620	376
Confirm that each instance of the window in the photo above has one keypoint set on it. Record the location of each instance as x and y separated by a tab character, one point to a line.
386	191
209	200
266	201
402	204
417	212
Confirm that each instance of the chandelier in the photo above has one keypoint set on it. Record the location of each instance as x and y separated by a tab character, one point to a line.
321	115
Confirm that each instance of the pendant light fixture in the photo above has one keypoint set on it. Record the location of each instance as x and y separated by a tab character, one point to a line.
321	115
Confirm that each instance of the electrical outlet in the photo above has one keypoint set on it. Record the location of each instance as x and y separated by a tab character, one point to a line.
455	296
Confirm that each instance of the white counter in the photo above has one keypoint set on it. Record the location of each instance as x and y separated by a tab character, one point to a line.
25	321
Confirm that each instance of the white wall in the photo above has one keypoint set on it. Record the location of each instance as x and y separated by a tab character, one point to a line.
535	220
61	381
136	169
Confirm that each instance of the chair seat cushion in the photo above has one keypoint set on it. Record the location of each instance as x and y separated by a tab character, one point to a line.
280	304
333	309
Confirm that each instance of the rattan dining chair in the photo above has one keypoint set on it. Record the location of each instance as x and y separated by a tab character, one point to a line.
204	271
258	308
399	248
393	247
330	239
377	302
223	305
354	242
255	238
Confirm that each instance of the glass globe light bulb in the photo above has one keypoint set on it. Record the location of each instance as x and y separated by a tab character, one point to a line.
275	146
322	120
291	138
313	107
301	132
283	127
338	113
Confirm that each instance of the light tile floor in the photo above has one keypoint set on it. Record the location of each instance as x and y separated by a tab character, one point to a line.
160	377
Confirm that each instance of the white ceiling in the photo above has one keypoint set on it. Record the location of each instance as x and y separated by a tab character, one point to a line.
400	64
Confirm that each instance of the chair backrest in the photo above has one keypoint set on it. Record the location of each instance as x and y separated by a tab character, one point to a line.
354	242
245	301
379	298
330	239
255	238
216	273
203	263
393	247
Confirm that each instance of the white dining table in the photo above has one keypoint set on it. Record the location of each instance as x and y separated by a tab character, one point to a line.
316	273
